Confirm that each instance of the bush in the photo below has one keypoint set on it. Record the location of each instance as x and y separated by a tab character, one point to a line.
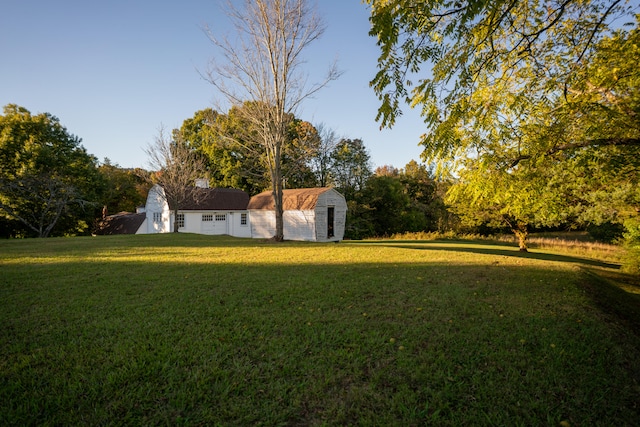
607	232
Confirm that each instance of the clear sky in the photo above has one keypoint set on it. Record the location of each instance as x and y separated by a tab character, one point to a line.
114	71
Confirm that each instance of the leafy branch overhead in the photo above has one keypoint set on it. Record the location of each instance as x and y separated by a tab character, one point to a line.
484	63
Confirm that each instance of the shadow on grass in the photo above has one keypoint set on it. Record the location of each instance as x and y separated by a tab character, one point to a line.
604	289
485	248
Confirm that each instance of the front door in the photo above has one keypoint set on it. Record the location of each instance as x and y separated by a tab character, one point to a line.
330	218
208	225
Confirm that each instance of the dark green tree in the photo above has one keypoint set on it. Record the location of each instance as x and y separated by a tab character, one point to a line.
123	189
234	158
426	196
350	170
48	182
351	167
391	206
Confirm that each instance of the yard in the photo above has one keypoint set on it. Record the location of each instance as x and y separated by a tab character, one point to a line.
199	330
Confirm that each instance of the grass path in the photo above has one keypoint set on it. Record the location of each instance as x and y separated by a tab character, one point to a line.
197	330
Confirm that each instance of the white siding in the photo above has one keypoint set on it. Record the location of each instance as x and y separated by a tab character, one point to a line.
235	226
157	208
330	198
194	223
299	225
143	227
263	224
310	225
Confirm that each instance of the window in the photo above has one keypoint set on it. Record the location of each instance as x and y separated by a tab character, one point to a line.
180	220
243	219
157	217
221	217
207	217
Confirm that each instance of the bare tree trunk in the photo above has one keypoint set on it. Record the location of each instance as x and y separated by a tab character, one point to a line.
261	70
278	200
520	229
175	220
275	170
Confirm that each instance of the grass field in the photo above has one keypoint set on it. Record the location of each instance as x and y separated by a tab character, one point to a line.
196	330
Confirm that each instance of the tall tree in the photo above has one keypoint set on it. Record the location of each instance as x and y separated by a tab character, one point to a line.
227	143
177	167
426	195
351	167
234	158
518	198
390	206
262	65
321	160
574	152
48	181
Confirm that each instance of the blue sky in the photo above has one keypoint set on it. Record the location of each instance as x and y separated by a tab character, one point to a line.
114	71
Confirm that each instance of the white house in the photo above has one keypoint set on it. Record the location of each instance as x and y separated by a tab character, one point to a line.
312	214
206	211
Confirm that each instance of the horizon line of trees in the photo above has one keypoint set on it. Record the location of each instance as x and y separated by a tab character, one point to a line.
381	202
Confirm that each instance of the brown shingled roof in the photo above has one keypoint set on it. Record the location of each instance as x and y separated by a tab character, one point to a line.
205	199
122	223
293	199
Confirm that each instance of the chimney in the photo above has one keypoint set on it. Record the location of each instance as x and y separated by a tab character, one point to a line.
202	183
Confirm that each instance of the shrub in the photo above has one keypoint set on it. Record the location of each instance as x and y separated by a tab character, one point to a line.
606	233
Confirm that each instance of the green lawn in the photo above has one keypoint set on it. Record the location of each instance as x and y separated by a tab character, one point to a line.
196	330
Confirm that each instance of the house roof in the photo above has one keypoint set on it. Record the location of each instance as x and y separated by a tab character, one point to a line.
121	223
205	199
293	199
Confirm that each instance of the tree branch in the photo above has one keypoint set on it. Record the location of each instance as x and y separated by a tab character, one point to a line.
600	142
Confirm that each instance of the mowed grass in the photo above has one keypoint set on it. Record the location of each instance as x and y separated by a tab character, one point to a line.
197	330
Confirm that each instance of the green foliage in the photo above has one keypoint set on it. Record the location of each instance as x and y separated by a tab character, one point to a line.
632	243
350	167
529	154
124	189
606	232
385	196
236	158
48	182
467	46
396	201
228	145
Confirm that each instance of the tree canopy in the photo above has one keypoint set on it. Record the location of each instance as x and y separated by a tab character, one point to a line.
236	159
48	182
483	63
532	106
260	70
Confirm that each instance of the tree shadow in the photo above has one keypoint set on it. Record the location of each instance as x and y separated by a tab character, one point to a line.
490	249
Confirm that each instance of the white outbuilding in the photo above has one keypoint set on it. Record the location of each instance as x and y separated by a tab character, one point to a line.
311	214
